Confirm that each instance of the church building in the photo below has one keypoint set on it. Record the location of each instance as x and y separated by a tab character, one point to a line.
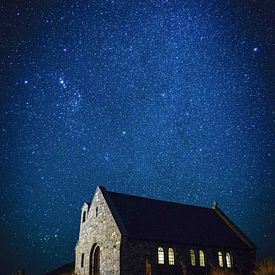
130	235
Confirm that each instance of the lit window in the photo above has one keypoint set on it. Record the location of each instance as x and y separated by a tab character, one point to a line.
192	257
84	216
82	259
171	256
96	211
202	258
228	260
220	259
160	255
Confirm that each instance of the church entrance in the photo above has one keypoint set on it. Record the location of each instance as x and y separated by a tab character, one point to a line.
148	267
95	260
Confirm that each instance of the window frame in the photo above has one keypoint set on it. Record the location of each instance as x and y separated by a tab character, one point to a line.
161	255
201	258
192	255
171	256
228	260
84	216
220	259
82	260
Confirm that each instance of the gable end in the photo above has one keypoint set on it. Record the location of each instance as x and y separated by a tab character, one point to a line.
114	211
234	228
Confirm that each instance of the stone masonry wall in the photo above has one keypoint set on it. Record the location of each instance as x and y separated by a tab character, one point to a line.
102	231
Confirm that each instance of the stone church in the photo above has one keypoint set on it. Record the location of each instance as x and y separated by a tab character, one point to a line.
130	235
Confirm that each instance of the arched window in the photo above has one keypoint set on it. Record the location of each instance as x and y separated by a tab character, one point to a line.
96	211
171	256
202	258
220	259
160	255
192	257
84	216
228	260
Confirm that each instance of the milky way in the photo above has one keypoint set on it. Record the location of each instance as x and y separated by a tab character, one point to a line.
164	99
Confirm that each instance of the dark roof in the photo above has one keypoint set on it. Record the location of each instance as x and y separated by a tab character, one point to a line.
155	220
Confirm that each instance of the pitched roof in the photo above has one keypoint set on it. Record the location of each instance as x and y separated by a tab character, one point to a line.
155	220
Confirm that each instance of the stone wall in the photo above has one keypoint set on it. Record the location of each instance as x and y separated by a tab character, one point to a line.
100	230
134	255
244	260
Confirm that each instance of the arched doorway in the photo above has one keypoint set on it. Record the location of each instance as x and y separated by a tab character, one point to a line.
95	260
148	267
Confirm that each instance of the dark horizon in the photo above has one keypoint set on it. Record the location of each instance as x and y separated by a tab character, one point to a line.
161	98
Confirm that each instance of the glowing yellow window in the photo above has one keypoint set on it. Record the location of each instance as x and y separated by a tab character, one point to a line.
202	258
160	255
171	256
192	257
228	260
220	259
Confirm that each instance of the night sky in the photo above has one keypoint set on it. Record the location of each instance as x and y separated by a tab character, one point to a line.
166	99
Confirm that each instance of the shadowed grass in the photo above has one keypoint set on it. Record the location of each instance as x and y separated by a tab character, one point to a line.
221	271
266	267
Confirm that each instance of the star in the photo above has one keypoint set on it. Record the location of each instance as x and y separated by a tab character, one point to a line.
62	82
162	102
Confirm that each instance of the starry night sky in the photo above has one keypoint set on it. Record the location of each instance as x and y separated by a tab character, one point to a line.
166	99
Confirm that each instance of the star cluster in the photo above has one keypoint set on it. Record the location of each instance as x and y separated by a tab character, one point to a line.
165	99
